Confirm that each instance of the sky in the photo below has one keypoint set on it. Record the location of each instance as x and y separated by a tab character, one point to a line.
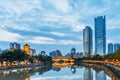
55	24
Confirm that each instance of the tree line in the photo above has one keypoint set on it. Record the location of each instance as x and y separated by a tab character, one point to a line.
110	57
19	55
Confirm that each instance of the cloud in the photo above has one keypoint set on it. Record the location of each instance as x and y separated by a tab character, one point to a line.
54	21
14	37
113	24
64	77
68	42
47	40
110	41
65	7
8	36
40	40
59	34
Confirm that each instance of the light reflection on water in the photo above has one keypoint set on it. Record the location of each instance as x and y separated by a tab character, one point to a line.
49	72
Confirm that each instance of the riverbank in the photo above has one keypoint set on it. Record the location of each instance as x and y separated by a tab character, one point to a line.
110	71
20	66
117	67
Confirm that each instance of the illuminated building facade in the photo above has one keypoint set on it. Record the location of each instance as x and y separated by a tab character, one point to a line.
26	48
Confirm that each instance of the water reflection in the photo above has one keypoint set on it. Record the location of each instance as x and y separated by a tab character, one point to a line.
100	75
56	69
24	73
101	71
78	71
88	73
73	69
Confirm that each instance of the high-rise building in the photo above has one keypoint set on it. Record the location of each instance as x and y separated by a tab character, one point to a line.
100	75
116	47
26	48
88	73
72	52
87	41
110	48
100	35
55	53
14	46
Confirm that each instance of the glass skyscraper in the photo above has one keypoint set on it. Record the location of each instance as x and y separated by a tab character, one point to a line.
116	47
100	35
87	41
110	48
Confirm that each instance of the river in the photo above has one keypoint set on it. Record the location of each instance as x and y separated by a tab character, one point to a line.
71	72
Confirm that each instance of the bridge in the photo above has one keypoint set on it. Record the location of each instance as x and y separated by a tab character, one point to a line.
62	61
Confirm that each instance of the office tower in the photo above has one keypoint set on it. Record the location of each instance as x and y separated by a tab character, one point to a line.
88	73
14	46
72	52
100	75
110	48
55	53
116	47
87	41
100	35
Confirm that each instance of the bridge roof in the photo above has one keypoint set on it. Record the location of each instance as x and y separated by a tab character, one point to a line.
62	57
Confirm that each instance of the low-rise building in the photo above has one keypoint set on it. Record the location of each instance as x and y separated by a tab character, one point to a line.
43	53
76	55
1	51
55	53
14	46
32	52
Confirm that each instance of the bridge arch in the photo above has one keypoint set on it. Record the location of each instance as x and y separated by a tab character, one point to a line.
62	61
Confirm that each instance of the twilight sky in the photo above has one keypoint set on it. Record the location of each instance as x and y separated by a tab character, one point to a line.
55	24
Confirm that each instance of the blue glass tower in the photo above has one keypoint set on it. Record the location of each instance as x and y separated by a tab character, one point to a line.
100	35
116	47
110	48
87	41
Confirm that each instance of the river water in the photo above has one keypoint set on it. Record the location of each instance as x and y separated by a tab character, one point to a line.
49	72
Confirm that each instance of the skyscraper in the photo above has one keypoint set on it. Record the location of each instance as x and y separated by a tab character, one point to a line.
55	53
100	35
116	47
110	48
87	41
72	52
